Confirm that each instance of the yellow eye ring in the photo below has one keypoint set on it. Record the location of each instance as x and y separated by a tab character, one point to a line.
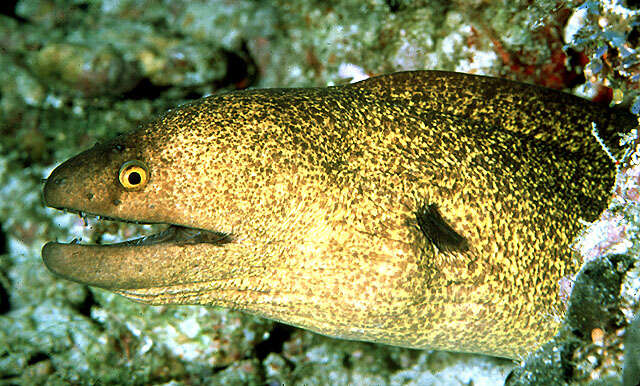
133	175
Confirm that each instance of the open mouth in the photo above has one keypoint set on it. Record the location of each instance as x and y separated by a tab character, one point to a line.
130	253
163	233
116	257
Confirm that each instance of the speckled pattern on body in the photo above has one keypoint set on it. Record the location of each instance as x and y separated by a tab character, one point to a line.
319	189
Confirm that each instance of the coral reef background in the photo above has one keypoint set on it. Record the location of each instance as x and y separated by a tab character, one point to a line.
75	72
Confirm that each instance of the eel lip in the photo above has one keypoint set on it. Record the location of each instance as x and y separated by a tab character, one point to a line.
59	262
110	267
121	267
148	261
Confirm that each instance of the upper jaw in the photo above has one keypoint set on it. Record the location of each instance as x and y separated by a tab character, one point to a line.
55	195
174	233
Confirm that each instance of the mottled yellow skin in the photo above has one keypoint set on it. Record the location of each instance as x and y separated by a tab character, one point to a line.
319	188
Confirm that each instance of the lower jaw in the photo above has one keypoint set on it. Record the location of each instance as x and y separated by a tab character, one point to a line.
134	264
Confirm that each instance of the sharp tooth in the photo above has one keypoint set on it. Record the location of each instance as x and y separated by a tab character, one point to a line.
83	216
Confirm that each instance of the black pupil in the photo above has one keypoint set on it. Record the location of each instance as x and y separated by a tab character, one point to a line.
134	178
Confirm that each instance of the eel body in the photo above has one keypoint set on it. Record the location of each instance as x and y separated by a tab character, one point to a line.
422	209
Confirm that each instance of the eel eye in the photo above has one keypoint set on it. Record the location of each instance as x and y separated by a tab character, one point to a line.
133	175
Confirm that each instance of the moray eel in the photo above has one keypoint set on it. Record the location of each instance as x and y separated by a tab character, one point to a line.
421	209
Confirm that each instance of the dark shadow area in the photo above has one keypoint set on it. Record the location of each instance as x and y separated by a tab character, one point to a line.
145	90
274	343
632	3
634	36
394	5
8	8
241	69
37	357
576	61
84	308
5	305
3	242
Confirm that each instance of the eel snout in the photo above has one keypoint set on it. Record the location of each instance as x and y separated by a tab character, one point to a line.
77	186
